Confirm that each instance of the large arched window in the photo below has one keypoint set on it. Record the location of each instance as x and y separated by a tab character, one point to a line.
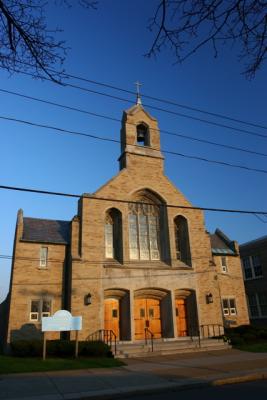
144	226
113	234
182	240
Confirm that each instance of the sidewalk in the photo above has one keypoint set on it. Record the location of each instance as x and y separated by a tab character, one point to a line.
148	375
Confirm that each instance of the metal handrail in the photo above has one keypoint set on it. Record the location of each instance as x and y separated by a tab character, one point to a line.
148	331
107	336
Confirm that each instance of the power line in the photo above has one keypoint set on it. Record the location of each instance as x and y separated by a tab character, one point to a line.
170	102
183	271
96	137
91	197
261	219
183	136
238	130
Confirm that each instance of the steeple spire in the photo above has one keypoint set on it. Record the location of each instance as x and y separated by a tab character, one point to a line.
138	96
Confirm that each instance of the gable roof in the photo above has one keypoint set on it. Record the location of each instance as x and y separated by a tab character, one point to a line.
46	231
136	108
221	244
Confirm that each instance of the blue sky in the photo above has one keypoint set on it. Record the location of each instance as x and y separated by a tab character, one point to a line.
108	45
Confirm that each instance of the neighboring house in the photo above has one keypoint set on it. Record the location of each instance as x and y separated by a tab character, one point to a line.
230	278
254	261
140	260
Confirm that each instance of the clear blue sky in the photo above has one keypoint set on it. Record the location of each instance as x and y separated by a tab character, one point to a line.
108	45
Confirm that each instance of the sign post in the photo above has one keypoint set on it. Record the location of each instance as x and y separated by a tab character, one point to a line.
44	347
61	321
76	344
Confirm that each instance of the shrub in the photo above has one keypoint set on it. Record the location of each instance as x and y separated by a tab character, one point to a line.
26	348
94	349
262	333
59	348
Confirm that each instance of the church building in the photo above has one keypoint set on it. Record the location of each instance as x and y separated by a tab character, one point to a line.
136	258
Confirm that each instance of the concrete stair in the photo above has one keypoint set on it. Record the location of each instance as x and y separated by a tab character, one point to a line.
165	347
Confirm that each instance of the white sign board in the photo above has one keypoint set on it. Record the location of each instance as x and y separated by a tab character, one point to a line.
62	320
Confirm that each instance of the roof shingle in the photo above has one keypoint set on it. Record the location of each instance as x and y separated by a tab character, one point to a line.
46	231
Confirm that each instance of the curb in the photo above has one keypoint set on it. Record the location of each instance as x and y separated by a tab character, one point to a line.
123	393
170	387
239	379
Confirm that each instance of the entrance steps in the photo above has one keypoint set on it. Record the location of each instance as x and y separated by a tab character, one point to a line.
166	347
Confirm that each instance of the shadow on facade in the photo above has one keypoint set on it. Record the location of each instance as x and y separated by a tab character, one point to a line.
26	332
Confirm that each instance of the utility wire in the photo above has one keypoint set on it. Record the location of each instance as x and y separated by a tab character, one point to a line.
99	198
183	136
261	219
184	271
170	102
235	130
92	136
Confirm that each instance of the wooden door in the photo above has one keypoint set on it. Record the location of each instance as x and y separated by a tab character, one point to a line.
147	315
112	316
181	317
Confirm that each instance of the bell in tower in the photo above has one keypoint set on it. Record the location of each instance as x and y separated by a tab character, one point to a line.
142	135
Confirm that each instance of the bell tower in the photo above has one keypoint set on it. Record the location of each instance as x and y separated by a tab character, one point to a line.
140	137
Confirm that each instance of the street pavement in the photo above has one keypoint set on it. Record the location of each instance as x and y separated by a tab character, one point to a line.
138	376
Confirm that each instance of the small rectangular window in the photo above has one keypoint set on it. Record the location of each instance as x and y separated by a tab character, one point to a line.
247	267
229	306
43	256
263	303
34	314
224	264
256	265
114	313
40	308
253	305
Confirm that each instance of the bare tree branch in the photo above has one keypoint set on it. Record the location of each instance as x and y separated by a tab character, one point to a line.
185	26
26	44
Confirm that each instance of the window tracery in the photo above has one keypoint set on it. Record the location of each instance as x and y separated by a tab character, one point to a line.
144	221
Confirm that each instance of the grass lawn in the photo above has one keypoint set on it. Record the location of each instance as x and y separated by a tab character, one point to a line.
260	347
10	365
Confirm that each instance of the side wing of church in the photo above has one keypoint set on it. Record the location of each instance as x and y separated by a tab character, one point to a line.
135	250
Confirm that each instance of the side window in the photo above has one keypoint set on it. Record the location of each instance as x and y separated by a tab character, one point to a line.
109	237
252	267
256	265
182	240
40	308
113	234
43	257
224	264
247	267
229	306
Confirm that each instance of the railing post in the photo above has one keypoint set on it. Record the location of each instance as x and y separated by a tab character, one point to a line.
115	347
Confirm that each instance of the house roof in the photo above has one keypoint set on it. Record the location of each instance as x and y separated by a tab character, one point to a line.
46	231
221	244
255	241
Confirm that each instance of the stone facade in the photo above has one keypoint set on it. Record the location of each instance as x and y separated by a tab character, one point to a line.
136	247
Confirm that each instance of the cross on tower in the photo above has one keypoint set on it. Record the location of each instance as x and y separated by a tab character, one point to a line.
138	97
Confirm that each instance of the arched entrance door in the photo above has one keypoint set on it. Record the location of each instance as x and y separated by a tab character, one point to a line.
181	317
186	312
112	316
147	315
